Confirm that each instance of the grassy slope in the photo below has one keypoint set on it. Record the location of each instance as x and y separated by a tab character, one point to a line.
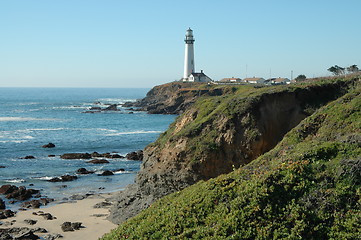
308	187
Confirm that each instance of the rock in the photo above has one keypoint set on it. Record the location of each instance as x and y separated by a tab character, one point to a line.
138	155
76	156
116	156
6	214
120	170
2	167
49	145
40	230
22	193
95	155
106	173
112	107
6	189
51	155
37	203
52	236
76	225
83	171
95	108
98	161
30	221
28	157
47	216
66	227
102	205
2	204
25	234
65	178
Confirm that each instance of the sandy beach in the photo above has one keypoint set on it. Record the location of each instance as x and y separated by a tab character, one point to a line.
94	223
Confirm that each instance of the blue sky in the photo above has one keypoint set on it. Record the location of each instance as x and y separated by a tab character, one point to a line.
115	43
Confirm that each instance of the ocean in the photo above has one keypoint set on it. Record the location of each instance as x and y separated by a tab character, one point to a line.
32	117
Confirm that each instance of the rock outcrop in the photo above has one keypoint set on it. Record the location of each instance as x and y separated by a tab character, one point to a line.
219	134
174	98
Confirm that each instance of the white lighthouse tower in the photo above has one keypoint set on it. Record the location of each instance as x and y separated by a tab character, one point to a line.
189	55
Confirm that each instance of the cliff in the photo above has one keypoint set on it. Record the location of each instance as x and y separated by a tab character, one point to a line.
307	187
174	98
221	133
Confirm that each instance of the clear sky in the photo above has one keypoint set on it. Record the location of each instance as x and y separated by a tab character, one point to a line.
116	43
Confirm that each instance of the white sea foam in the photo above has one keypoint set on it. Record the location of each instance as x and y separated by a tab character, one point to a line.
121	172
130	133
20	119
16	180
14	141
43	178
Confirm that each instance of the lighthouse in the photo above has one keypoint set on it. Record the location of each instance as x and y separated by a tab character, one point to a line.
189	55
190	74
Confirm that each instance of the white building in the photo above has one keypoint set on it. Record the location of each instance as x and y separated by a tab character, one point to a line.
278	81
254	80
198	77
190	74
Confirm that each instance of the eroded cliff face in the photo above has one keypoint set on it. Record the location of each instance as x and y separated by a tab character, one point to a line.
217	135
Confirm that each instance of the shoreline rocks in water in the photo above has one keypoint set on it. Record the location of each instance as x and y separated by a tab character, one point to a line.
98	161
28	157
49	145
18	193
65	178
76	156
136	156
111	107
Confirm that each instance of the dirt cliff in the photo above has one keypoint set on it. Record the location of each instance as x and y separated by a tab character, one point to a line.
220	133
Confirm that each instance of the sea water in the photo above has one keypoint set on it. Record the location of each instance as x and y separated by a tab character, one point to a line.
32	117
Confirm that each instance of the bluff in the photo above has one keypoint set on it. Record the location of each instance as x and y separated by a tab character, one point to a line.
174	98
306	187
220	133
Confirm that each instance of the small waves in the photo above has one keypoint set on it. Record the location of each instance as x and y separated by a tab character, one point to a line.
20	119
16	180
131	133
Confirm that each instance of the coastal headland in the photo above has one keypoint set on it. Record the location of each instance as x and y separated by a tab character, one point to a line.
225	133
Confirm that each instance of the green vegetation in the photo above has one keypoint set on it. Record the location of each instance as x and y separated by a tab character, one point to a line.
307	187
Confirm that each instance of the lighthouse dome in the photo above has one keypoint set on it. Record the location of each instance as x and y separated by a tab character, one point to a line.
189	33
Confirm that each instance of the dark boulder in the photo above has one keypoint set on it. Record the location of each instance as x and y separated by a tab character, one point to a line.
6	189
28	157
49	145
6	214
137	156
51	155
95	108
2	204
83	171
36	203
98	161
22	193
25	234
30	221
96	154
107	173
66	227
47	216
116	156
2	167
76	156
52	236
112	107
